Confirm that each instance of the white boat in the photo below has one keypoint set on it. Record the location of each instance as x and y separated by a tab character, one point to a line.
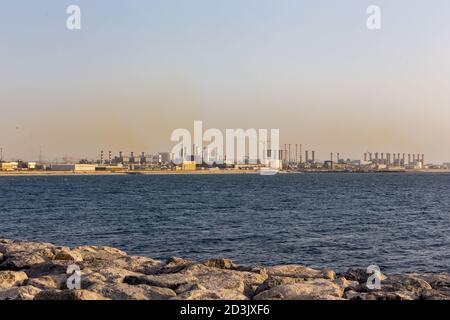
267	171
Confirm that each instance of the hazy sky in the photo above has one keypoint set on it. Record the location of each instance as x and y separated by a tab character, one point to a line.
139	69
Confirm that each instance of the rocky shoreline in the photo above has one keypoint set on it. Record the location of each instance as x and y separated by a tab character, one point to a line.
39	271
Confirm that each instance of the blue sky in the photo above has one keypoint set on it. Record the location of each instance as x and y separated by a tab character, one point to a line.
139	69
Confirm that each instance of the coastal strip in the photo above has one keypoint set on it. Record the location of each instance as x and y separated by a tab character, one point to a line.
197	172
43	271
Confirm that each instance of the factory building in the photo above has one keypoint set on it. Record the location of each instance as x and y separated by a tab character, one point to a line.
8	166
31	165
74	167
189	166
164	157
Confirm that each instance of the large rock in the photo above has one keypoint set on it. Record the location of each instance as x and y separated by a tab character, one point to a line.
123	291
167	280
18	255
92	253
315	289
380	295
402	285
360	275
90	277
220	263
48	282
114	275
138	264
19	293
217	279
107	275
435	295
406	282
56	267
23	260
69	255
273	281
9	279
204	294
346	284
68	295
299	271
173	265
436	281
184	288
8	247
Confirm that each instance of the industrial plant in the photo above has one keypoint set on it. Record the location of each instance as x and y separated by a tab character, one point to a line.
291	159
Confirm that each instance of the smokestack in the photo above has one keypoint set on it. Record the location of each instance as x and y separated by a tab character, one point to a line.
301	160
403	159
370	156
296	153
289	152
423	159
388	157
365	156
331	157
101	157
306	156
109	156
338	157
313	156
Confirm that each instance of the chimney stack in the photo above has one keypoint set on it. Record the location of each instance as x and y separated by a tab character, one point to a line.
289	153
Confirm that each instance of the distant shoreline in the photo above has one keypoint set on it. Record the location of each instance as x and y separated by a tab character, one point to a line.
202	172
108	173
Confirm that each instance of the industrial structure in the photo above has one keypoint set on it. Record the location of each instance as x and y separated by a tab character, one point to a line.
292	158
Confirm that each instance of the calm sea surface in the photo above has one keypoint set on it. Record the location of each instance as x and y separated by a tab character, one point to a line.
400	222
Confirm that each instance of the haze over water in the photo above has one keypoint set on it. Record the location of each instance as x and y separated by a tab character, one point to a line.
397	221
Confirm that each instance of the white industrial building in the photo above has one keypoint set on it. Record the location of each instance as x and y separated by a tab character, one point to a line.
74	167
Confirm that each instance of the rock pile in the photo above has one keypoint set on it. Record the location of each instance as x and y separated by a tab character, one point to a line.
39	271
